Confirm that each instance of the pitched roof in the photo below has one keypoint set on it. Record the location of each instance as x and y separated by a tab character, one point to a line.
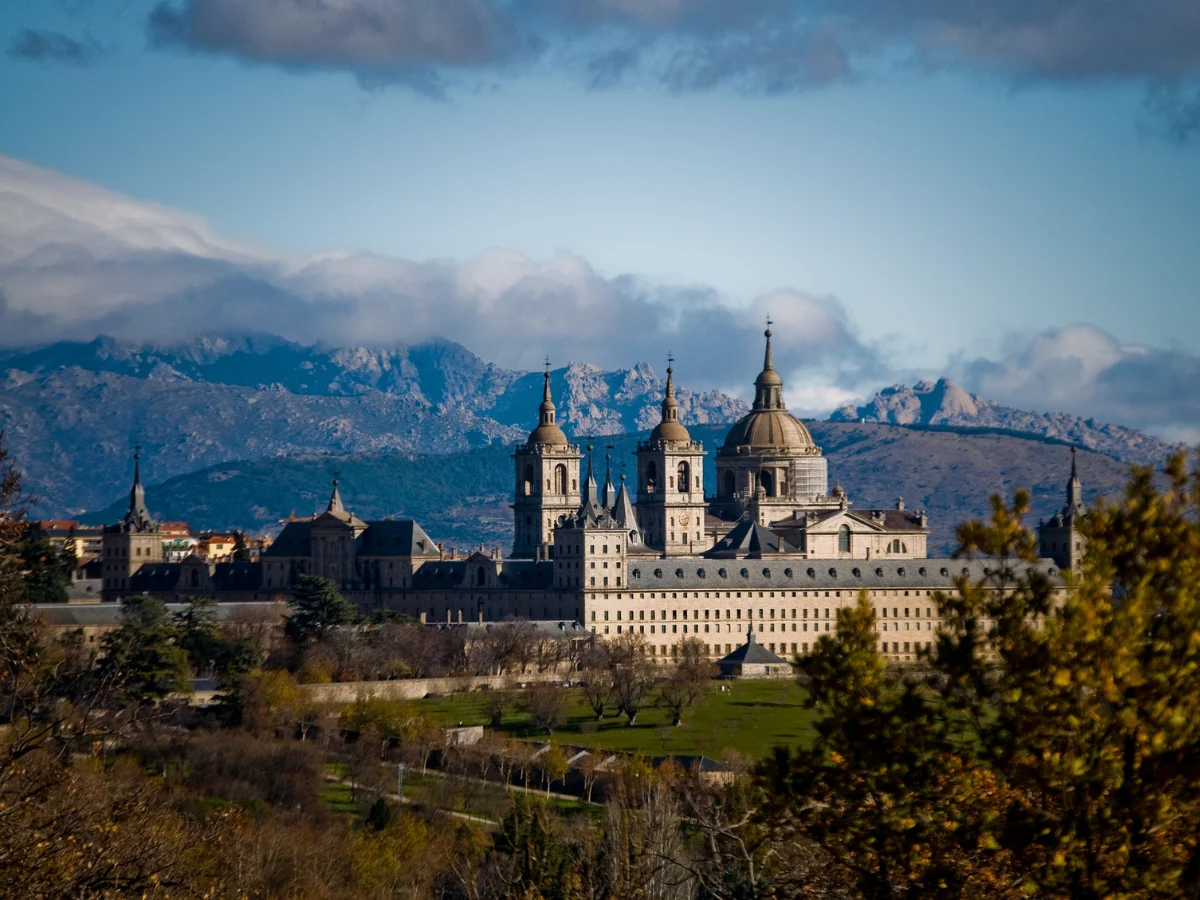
748	538
294	540
399	537
751	653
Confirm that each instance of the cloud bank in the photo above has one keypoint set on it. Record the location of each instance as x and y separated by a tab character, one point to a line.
759	46
77	260
1087	371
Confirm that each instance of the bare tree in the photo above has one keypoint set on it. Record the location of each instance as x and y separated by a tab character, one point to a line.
546	705
632	674
597	678
691	676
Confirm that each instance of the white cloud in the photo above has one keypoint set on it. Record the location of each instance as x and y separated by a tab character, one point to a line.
98	262
1086	371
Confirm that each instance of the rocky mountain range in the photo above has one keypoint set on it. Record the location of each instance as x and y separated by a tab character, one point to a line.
944	403
72	412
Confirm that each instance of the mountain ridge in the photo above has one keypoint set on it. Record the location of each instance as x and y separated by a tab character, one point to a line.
72	411
944	403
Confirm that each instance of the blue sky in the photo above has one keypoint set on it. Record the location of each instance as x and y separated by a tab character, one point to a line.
953	187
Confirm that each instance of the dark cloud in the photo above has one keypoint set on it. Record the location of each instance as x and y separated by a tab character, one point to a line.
380	41
761	46
52	46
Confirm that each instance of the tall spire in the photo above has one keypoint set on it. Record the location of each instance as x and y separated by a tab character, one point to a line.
1074	488
137	517
768	387
546	410
670	406
588	494
608	497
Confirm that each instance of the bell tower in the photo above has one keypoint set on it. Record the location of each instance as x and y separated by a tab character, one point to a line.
1060	539
670	504
133	542
546	469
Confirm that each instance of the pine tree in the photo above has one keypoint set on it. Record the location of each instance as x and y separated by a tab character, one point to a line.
1054	748
317	607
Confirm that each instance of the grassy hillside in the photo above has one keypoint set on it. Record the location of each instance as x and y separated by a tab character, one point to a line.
462	498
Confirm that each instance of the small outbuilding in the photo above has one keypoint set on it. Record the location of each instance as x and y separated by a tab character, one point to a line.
753	660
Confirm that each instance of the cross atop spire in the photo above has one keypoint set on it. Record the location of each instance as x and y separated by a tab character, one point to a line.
546	410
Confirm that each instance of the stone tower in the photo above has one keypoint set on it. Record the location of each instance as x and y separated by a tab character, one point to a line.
132	542
546	492
1060	539
670	504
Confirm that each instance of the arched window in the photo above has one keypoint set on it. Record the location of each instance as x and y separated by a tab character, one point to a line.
481	577
768	484
195	578
651	476
783	484
730	484
527	484
685	477
844	539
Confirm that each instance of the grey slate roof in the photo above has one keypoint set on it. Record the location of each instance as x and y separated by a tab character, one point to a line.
809	574
748	538
751	653
294	540
400	537
522	574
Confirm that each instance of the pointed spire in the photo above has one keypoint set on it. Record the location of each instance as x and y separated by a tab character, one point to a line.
335	498
546	410
670	406
768	386
624	514
137	517
588	494
1074	489
608	496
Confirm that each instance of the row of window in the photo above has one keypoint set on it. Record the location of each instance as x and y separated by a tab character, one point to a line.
783	614
677	628
789	573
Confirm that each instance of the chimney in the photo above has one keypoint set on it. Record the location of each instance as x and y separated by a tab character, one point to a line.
481	617
460	617
447	615
422	618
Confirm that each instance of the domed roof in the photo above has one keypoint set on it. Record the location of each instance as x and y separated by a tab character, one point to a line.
768	425
670	428
769	429
547	431
669	431
547	434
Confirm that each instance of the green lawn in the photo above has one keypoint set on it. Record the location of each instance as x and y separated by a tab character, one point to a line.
748	718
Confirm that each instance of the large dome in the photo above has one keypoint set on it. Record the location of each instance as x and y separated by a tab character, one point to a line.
769	429
769	426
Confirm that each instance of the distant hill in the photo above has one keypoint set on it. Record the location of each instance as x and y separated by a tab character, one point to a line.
73	411
944	403
462	497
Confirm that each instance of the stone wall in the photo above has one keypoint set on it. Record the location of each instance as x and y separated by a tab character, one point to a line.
416	688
